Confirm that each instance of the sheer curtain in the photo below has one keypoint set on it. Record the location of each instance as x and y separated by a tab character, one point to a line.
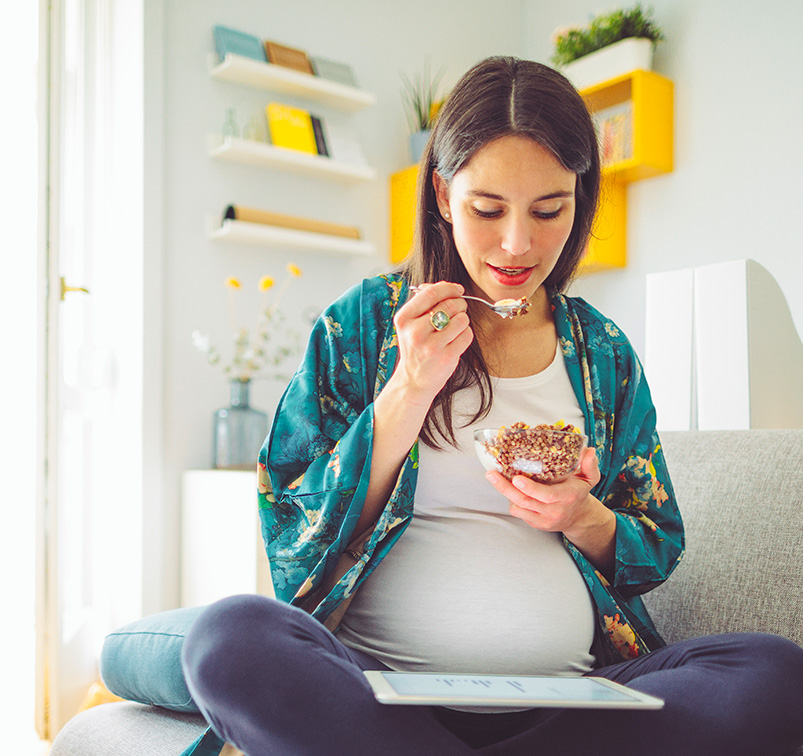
89	528
19	339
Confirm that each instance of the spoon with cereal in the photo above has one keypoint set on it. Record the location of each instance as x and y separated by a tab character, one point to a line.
505	308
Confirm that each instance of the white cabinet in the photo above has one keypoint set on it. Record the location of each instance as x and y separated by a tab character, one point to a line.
221	544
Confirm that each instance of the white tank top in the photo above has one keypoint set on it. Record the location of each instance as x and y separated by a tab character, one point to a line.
468	587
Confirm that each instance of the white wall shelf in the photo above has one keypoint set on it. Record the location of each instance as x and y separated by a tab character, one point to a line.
243	232
265	155
259	75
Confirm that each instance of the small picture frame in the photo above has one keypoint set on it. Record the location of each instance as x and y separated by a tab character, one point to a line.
289	57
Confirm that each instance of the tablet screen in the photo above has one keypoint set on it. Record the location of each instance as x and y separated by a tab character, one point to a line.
470	686
505	690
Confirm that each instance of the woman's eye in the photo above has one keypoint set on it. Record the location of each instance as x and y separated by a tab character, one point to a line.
547	215
486	213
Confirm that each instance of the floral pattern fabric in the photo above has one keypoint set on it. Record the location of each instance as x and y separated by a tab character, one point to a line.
315	464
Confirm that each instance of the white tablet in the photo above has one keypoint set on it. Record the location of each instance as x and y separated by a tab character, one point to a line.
433	689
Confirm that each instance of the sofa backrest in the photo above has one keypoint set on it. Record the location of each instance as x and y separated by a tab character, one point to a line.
741	497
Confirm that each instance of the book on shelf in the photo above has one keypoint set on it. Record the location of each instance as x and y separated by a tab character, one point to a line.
320	136
342	142
229	40
289	57
295	129
333	71
296	223
615	133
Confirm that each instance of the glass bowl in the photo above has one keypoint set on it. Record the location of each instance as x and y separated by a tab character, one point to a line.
542	453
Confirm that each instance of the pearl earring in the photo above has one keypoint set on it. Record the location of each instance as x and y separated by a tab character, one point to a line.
448	216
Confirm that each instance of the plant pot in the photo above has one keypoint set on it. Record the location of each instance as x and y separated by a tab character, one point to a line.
418	141
239	431
624	56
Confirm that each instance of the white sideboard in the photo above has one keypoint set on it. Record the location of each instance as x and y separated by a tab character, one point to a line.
222	553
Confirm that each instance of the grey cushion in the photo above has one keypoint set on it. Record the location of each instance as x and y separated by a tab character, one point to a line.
741	497
127	729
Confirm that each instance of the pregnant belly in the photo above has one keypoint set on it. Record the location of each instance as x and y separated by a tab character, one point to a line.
479	593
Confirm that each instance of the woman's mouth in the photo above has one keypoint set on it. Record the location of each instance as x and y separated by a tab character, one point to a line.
510	276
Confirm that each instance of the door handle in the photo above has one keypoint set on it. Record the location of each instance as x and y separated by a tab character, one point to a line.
65	289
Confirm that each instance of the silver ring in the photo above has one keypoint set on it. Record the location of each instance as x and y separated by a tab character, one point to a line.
439	320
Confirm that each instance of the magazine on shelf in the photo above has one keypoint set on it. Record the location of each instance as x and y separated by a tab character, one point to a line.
334	71
229	40
289	57
615	133
291	127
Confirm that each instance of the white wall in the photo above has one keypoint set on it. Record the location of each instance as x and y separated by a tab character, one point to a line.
380	41
735	191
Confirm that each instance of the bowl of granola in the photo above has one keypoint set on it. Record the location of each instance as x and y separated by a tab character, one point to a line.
544	453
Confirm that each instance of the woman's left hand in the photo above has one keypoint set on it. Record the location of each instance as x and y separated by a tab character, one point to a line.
566	507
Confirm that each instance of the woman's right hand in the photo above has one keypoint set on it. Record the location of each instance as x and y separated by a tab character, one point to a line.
428	357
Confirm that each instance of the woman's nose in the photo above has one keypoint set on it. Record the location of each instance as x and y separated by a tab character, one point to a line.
516	236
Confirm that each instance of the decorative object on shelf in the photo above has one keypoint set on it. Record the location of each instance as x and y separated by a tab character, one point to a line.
294	128
289	57
237	426
334	71
238	431
230	127
251	358
422	102
281	220
612	44
614	127
343	143
256	130
230	41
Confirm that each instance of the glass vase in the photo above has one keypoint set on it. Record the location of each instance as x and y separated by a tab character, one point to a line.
239	431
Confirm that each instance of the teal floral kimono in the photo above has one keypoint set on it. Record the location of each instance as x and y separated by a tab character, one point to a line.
314	468
315	465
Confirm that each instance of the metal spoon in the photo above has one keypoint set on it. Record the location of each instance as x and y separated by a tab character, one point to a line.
504	308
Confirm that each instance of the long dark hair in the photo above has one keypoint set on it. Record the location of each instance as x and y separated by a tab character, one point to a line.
499	96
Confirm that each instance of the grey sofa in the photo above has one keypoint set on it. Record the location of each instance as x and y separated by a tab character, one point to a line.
741	495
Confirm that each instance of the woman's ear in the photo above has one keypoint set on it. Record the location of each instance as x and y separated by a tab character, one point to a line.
442	195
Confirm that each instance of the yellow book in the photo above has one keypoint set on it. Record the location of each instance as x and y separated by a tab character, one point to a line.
291	127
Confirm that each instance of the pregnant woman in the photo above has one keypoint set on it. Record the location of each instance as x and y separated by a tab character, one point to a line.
391	548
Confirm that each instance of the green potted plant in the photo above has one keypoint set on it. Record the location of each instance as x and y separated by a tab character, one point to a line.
421	104
611	44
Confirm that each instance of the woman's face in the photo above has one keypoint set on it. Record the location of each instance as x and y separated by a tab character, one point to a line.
512	209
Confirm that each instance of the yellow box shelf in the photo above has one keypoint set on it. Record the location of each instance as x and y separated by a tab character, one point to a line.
650	97
639	107
402	212
607	247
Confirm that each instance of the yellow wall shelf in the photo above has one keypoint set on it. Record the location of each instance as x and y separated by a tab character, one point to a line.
635	112
402	212
634	116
